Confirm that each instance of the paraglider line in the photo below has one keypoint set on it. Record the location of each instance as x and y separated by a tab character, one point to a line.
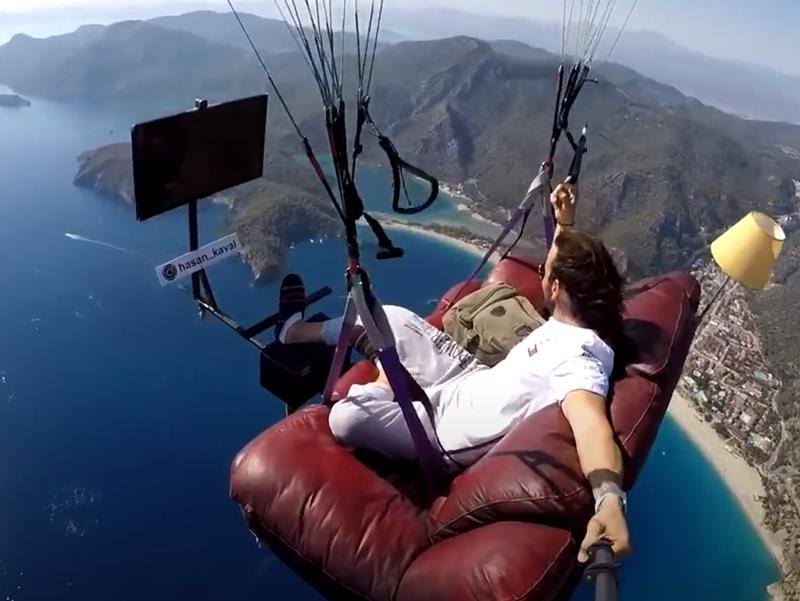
622	29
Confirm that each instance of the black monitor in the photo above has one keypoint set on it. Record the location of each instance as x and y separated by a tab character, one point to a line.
197	154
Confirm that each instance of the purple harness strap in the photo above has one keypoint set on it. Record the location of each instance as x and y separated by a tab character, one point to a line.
382	338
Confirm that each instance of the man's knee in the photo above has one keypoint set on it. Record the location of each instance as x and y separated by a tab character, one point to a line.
344	419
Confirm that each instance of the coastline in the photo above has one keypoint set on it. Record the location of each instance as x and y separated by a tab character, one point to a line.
742	479
456	191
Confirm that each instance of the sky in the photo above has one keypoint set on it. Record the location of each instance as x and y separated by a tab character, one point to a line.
760	31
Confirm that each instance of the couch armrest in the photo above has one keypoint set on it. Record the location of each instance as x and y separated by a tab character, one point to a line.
533	474
297	485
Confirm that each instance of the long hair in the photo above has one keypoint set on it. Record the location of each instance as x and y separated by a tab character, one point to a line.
585	268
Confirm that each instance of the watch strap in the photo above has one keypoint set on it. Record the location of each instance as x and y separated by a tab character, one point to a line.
611	490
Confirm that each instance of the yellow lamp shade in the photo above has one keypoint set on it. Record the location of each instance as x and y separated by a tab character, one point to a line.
747	252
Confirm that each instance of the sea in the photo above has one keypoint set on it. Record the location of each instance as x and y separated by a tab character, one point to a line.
121	409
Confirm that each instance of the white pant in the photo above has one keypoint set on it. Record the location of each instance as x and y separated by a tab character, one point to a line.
370	419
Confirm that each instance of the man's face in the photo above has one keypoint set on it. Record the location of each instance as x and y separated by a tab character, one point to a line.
550	286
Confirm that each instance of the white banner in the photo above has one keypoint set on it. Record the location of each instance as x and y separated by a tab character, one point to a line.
192	262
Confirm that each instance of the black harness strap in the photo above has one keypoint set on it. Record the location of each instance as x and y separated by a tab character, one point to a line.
386	249
565	100
577	159
397	164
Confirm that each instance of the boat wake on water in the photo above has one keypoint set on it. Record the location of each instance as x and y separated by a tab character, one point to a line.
78	238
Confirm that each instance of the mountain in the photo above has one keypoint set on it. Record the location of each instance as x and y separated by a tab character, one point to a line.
108	170
271	36
663	172
436	22
748	90
201	54
775	304
127	59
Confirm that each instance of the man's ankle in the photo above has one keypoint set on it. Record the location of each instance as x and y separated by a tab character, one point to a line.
331	330
285	333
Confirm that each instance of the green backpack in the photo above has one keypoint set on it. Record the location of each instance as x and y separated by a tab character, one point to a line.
491	321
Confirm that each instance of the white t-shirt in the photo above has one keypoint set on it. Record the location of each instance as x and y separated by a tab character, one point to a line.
480	406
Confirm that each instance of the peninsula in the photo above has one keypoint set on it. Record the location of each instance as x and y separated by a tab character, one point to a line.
270	217
107	170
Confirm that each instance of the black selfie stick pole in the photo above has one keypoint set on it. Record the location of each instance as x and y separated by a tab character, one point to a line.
602	572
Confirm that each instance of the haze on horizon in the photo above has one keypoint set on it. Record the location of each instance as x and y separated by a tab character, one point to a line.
732	29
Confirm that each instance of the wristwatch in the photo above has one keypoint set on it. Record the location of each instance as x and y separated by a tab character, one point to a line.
611	489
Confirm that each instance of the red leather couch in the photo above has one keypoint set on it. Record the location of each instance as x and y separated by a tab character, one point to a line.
507	529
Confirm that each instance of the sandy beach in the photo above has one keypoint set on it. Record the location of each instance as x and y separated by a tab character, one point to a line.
742	479
473	249
465	202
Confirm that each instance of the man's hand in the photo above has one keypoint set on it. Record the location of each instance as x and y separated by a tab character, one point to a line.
607	525
565	202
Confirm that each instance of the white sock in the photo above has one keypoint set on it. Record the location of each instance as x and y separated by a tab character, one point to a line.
289	323
331	330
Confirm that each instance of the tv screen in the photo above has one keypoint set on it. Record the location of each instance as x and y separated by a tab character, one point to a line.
197	154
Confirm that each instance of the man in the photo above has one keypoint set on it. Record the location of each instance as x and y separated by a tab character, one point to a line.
567	361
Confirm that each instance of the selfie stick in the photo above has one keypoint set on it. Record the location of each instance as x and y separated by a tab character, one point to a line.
602	571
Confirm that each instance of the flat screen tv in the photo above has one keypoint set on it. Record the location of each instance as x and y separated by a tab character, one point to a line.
196	154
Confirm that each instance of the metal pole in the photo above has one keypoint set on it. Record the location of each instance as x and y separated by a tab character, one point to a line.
714	299
194	244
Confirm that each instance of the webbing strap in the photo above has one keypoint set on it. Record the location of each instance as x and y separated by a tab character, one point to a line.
386	248
539	184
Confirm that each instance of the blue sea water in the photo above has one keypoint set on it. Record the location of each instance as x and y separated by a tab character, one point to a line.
120	410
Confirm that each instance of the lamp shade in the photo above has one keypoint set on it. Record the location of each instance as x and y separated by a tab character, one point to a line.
747	252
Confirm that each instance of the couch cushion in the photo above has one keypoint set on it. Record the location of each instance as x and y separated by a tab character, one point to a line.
361	373
508	561
638	406
532	474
